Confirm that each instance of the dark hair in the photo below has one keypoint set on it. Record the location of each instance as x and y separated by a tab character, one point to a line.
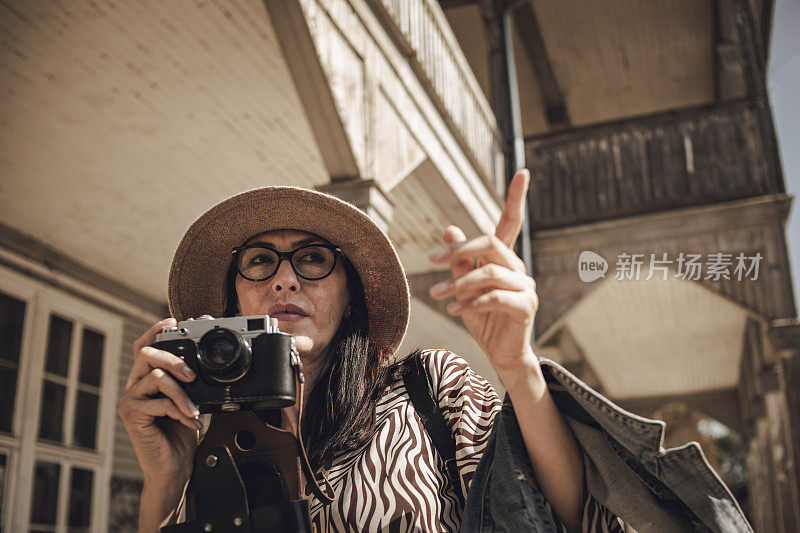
340	413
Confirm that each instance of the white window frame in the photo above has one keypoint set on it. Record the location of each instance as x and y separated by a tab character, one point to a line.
11	454
21	288
25	448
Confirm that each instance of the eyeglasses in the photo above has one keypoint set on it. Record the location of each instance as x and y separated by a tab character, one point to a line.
258	262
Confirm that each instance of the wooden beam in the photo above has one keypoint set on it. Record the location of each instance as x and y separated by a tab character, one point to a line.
753	55
450	4
575	360
785	337
367	195
527	27
313	87
790	369
721	405
439	187
23	253
729	79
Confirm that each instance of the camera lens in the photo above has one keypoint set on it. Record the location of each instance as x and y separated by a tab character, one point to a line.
221	352
224	354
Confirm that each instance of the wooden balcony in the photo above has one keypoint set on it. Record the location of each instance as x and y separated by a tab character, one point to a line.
677	159
421	31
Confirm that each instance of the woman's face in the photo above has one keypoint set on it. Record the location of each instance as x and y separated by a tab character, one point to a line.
323	302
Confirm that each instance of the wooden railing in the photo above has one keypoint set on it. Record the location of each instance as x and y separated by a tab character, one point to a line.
677	159
425	36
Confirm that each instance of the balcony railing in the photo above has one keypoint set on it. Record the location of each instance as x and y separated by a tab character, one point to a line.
434	53
671	160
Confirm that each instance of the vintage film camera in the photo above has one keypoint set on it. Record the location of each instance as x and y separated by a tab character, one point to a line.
247	475
242	363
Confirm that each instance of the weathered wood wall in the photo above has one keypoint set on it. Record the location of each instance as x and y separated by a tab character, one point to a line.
768	403
692	157
748	226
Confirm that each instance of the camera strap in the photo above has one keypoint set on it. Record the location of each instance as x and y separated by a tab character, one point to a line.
418	386
325	496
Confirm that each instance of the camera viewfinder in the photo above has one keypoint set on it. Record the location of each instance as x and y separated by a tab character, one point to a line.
254	324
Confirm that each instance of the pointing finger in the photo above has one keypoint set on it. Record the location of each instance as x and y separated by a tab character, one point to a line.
510	224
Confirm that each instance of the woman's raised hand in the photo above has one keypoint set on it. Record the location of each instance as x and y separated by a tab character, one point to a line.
496	298
163	430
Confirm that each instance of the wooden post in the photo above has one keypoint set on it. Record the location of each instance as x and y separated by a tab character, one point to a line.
366	195
755	80
785	340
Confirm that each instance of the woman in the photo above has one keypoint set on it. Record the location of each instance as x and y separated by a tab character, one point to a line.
348	315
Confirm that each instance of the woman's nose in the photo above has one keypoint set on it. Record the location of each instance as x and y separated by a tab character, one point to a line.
285	278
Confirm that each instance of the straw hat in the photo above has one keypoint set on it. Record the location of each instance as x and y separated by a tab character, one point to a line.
201	262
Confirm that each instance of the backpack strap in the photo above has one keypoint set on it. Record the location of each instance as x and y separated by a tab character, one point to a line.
420	391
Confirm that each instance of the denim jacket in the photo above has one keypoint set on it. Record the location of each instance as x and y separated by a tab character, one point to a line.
626	467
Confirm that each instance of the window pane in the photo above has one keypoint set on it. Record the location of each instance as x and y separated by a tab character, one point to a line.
8	388
85	420
12	315
3	482
91	357
51	420
80	498
58	345
45	493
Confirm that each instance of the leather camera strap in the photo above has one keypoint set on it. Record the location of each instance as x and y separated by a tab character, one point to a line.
325	496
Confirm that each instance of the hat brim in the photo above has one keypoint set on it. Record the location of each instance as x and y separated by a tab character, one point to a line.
201	261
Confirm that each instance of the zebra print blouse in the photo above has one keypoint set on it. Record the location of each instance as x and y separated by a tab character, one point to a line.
395	481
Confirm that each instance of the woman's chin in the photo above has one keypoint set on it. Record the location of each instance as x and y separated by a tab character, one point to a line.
306	346
303	344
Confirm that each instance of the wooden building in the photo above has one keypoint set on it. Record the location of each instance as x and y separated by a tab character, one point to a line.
646	126
648	131
123	121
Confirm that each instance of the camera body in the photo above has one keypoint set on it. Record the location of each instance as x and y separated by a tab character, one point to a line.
242	363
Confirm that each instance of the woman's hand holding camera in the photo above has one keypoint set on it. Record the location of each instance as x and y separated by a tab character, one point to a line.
163	430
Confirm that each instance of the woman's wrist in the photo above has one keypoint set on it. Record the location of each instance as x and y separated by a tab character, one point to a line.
158	505
523	378
522	366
